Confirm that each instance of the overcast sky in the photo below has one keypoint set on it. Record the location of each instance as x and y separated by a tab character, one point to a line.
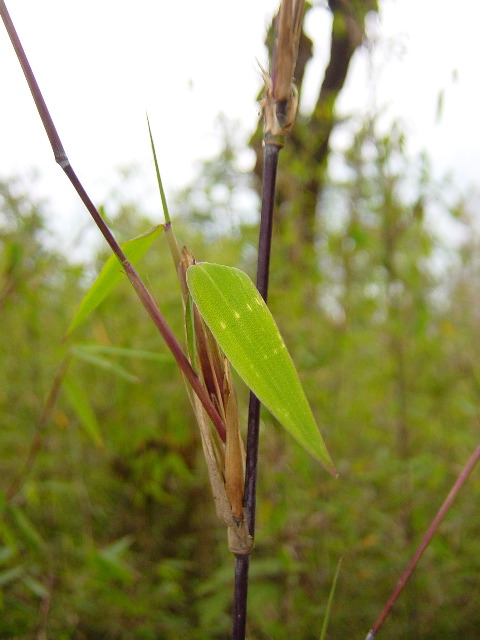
103	63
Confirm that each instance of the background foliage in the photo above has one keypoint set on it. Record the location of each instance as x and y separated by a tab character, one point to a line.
111	534
107	527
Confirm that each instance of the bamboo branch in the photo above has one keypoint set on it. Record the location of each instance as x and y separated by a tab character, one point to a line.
432	529
135	280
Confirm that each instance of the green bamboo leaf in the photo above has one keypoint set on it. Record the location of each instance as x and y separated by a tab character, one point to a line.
9	575
115	549
111	350
111	275
6	553
35	586
26	526
103	363
169	232
159	177
109	561
190	330
81	404
328	611
247	333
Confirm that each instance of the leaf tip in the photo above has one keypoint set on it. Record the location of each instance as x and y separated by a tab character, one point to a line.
328	465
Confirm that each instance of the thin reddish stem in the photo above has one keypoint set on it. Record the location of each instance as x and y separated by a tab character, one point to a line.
425	541
137	283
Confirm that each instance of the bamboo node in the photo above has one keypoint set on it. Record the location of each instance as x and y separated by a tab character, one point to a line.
279	115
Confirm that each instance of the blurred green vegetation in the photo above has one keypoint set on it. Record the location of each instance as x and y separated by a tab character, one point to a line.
107	527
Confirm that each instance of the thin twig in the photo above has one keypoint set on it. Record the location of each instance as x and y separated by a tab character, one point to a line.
37	441
467	469
135	280
45	606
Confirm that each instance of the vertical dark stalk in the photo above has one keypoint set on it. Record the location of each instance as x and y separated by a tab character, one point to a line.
263	272
242	562
266	220
279	110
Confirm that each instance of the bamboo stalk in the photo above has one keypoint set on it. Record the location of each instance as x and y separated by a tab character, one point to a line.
242	562
279	108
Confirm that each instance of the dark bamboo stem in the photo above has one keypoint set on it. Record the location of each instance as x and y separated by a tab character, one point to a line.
279	108
135	280
460	481
263	272
242	562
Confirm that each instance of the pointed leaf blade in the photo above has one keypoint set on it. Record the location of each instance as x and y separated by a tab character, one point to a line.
81	404
30	533
112	274
112	350
247	333
331	595
104	363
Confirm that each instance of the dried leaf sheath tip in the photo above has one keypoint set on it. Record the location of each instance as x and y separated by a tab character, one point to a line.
289	26
280	100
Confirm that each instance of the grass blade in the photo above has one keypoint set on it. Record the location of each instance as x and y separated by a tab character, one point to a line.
105	364
80	402
330	601
111	350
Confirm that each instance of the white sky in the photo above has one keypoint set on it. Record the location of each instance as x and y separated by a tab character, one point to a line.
102	64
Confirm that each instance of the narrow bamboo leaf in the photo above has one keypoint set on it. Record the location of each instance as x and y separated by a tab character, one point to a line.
247	333
104	363
110	563
35	586
159	177
328	611
110	275
190	331
81	404
10	574
170	233
26	526
111	350
114	550
6	553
